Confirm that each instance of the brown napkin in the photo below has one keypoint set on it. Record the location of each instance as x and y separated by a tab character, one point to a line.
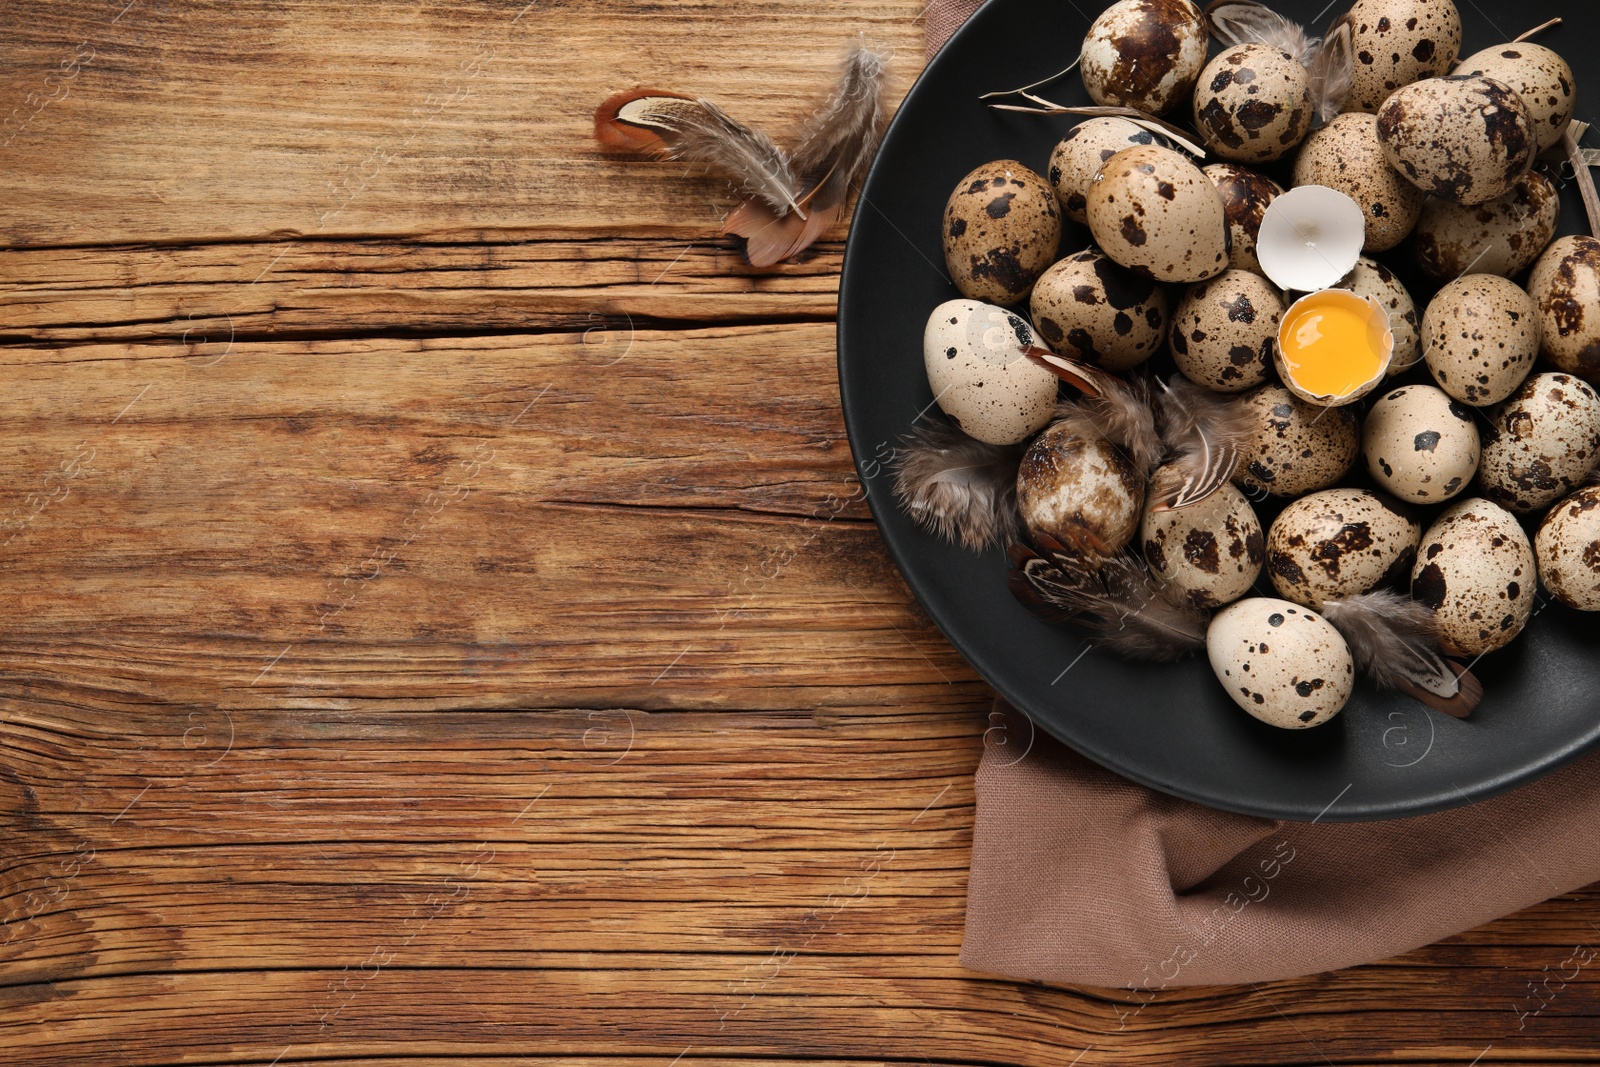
1082	877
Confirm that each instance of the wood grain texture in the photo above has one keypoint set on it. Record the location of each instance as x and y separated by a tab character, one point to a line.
443	623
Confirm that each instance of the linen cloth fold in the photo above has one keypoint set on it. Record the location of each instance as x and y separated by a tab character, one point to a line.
1081	877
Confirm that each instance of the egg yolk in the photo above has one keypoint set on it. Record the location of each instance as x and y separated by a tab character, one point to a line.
1330	347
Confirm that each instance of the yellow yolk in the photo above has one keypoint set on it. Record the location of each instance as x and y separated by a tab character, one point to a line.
1331	345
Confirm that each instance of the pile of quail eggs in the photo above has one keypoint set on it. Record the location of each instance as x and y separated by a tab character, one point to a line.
1464	480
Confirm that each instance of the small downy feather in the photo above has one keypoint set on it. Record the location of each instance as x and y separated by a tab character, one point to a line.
1206	434
1394	642
1332	70
832	152
1236	22
1115	602
695	130
956	487
1123	415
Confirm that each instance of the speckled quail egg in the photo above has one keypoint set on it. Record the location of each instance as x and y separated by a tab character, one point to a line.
1210	551
1567	547
1225	331
1541	77
1080	490
1466	138
1079	155
1541	443
1281	662
973	355
1372	279
1345	155
1339	543
1420	445
1501	236
1297	446
1396	42
1253	103
1153	211
1475	572
1001	230
1090	309
1144	54
1245	195
1480	337
1565	284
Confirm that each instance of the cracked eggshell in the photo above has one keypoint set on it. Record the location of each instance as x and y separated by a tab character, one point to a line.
1210	551
1541	77
1475	572
1501	236
1002	228
973	355
1481	336
1080	490
1253	103
1345	155
1245	195
1466	139
1567	548
1225	331
1281	662
1372	279
1297	447
1154	212
1421	445
1144	54
1079	155
1396	42
1565	283
1089	308
1541	443
1339	543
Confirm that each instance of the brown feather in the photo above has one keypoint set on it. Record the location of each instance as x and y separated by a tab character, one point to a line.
1123	414
1236	22
1393	639
1205	434
1114	602
1332	70
961	489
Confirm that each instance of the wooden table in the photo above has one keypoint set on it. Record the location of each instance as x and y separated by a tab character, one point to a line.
442	624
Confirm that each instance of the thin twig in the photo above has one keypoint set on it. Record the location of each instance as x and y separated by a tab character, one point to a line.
1537	30
1133	115
1585	180
1035	85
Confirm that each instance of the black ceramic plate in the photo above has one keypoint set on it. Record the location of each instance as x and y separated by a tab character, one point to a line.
1169	726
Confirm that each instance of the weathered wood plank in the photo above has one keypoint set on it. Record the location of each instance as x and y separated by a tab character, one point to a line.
201	296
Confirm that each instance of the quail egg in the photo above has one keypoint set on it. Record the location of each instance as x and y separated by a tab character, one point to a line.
1253	103
1481	336
1225	331
1245	196
1372	279
1153	211
1501	236
1566	285
973	355
1567	547
1339	543
1345	155
1475	572
1079	155
1090	309
1144	54
1002	229
1281	662
1210	551
1541	443
1462	138
1396	42
1080	490
1297	446
1420	445
1541	77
